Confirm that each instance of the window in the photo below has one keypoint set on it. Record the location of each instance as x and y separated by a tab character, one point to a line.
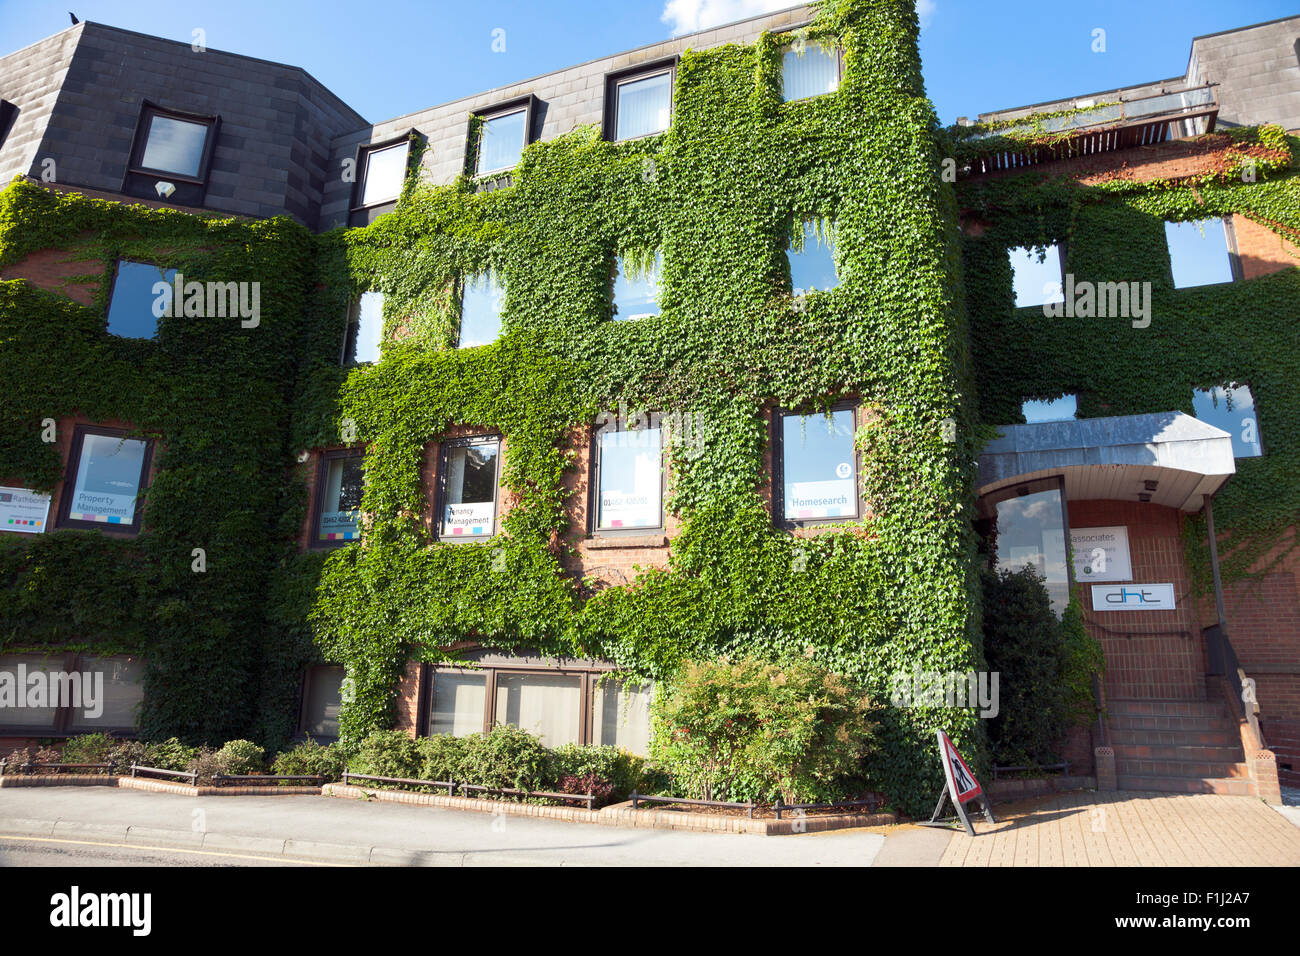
54	695
1037	281
1030	530
502	135
817	465
1200	252
174	144
1232	409
322	697
639	103
135	305
629	478
636	291
480	310
578	702
468	477
106	473
338	499
1062	409
621	715
812	261
385	174
8	113
365	329
547	705
459	698
811	70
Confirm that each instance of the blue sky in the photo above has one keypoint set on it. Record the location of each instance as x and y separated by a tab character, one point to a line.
389	57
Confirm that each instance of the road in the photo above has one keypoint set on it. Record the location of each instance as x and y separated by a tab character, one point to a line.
18	851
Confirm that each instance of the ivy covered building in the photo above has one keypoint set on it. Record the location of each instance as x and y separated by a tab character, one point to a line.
503	410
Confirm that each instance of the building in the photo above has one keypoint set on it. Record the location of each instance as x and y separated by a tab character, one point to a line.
675	353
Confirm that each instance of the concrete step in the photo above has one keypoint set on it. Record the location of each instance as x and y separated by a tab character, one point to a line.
1151	750
1166	708
1235	787
1123	736
1157	767
1212	722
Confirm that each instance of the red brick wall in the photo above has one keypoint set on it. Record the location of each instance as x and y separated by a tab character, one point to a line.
57	271
1261	250
408	700
1149	654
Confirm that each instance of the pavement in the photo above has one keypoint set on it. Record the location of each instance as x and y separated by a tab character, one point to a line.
73	826
1131	828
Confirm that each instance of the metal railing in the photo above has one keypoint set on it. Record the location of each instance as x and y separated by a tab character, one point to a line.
588	798
1171	106
189	775
639	798
263	779
1224	663
29	765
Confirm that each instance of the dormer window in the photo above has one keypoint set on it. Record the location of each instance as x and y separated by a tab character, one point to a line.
171	155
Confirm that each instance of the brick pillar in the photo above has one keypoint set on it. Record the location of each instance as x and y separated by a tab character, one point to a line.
1263	770
1104	759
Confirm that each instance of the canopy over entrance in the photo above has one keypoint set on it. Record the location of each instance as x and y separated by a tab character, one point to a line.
1167	458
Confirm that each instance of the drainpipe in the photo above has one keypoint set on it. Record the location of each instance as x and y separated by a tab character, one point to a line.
1214	564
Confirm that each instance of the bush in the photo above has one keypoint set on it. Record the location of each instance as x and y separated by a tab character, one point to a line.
89	748
387	753
1044	668
753	730
169	754
440	756
240	757
205	765
310	759
621	769
602	790
506	757
125	753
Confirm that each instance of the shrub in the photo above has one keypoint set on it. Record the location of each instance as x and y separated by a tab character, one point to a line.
600	788
621	769
310	759
241	757
89	748
169	754
125	753
205	765
440	756
506	757
16	761
386	753
749	729
1044	668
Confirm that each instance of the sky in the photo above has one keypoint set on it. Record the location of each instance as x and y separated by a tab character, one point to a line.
390	57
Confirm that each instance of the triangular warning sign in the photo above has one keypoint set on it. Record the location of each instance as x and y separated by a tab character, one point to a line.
962	782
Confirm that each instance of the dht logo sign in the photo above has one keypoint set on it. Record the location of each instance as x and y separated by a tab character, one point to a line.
75	909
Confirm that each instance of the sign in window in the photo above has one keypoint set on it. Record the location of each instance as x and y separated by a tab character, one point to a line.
109	476
469	488
819	466
630	480
340	514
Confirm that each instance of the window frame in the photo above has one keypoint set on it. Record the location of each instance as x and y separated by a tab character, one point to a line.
314	542
528	104
1254	404
304	686
779	414
75	451
593	485
361	159
440	489
493	666
113	271
70	661
351	331
461	285
642	71
788	47
140	142
1235	269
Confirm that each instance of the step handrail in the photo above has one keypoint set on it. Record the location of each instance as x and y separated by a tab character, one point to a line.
1224	663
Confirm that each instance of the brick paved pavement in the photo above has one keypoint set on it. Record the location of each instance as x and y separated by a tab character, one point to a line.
1129	828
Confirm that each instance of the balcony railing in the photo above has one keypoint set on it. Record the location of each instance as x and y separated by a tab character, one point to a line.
1138	122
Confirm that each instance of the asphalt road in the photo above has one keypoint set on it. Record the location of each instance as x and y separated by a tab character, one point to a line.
36	852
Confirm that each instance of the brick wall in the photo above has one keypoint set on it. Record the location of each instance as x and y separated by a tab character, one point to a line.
57	271
1149	654
408	700
1261	250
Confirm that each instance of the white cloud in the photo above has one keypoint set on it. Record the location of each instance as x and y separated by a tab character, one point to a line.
688	16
